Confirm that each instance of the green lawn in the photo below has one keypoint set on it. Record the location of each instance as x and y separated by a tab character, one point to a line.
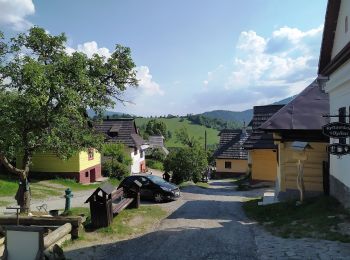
194	130
8	187
203	185
74	186
316	218
129	222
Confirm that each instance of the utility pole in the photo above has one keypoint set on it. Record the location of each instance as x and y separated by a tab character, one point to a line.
205	140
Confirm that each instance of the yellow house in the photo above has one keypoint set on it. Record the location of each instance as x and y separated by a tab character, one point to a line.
84	166
262	152
301	121
230	158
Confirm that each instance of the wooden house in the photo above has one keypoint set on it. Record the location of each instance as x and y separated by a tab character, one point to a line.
84	166
262	151
123	130
231	159
157	142
334	66
301	120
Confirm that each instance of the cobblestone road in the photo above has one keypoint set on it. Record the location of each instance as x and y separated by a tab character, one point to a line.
210	224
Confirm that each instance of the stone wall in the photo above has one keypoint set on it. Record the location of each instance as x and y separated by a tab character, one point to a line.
340	191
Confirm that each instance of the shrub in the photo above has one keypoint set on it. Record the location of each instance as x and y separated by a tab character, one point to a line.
186	164
115	169
155	164
156	154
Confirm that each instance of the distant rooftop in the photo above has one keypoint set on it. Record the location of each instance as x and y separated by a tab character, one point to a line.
120	130
258	139
231	144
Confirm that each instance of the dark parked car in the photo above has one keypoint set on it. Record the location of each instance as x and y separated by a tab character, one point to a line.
153	187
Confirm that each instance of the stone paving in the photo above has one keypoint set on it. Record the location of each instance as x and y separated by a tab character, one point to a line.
272	247
207	224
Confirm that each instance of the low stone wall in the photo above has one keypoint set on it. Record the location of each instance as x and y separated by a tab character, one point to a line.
340	191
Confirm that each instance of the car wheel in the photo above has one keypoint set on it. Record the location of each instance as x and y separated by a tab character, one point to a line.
158	197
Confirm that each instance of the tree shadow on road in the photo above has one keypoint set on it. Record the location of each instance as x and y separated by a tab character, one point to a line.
198	229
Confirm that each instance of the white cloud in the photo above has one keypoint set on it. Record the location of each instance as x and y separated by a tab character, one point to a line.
149	86
13	13
90	48
146	83
267	69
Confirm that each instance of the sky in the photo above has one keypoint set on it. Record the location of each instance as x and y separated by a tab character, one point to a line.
192	56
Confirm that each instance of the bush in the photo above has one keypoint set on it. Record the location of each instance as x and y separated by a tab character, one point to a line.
154	164
186	164
156	154
115	170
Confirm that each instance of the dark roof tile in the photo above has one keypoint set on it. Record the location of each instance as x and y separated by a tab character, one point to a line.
231	144
304	112
258	139
120	130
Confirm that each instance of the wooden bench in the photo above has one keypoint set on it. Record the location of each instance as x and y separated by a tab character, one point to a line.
108	201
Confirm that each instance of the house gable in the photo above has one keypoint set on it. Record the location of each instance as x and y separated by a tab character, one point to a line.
342	32
335	48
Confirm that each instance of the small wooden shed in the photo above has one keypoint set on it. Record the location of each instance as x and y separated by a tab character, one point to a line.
101	206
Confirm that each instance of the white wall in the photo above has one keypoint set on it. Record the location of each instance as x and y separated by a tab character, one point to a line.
338	88
136	160
342	38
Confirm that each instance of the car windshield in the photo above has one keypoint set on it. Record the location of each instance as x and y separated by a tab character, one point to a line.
157	180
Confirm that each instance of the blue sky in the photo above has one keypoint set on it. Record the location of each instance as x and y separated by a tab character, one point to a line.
192	55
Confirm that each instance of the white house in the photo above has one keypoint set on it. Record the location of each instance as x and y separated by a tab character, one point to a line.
124	130
334	71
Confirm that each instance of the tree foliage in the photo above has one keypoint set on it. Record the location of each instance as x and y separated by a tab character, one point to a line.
186	164
117	160
215	123
183	137
156	127
45	93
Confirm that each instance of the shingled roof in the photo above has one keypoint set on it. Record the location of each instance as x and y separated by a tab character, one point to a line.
231	144
120	130
259	139
304	112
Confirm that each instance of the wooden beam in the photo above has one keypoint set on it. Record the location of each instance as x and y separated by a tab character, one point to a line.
42	221
54	251
57	234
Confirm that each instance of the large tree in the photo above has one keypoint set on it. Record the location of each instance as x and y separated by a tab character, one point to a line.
156	127
44	95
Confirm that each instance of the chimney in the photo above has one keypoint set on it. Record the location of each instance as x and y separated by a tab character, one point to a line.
244	128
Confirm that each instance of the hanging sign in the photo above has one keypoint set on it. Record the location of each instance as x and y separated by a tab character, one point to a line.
338	149
336	130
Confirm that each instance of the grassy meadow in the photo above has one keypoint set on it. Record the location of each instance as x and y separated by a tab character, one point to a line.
176	123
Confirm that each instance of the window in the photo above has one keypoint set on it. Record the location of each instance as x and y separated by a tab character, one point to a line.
141	153
135	151
228	165
346	25
90	153
342	119
87	174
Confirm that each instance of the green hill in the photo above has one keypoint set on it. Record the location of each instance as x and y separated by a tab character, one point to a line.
176	123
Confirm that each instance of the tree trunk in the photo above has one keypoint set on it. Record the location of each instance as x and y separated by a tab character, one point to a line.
23	194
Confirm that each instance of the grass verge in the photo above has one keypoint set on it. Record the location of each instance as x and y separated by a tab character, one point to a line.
128	223
321	218
40	190
203	185
133	221
75	186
